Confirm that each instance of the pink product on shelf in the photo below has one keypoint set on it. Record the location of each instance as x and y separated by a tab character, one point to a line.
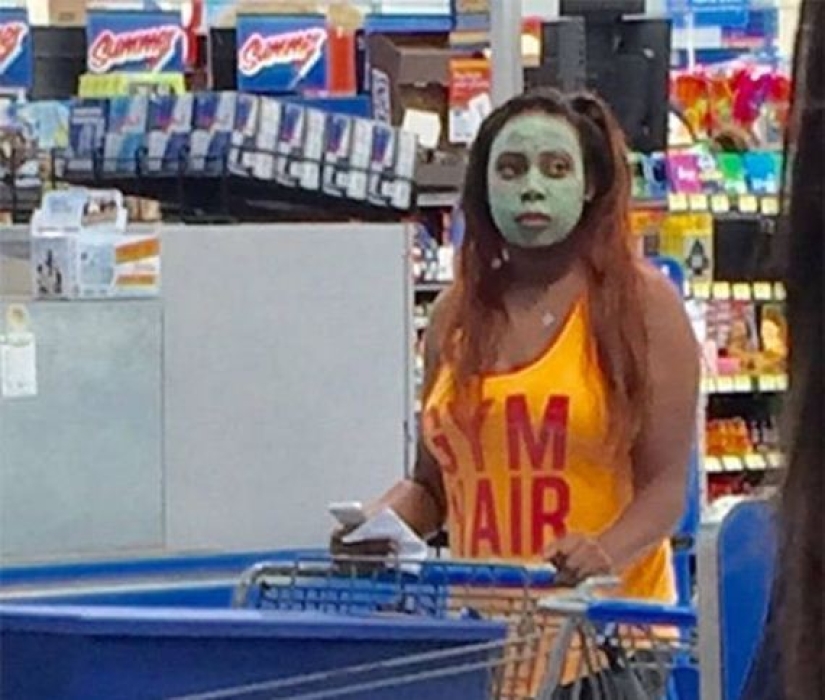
726	366
683	173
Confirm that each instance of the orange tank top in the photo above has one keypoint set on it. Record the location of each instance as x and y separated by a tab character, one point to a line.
527	464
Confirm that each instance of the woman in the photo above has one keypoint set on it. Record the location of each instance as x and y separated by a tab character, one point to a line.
561	370
792	663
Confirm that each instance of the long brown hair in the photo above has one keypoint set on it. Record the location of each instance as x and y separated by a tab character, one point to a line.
474	315
801	567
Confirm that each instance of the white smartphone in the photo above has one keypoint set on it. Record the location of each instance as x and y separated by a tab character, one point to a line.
349	513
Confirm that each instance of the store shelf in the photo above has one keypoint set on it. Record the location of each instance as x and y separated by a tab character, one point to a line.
433	287
733	464
745	384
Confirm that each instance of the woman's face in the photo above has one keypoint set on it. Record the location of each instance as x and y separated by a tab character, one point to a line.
536	180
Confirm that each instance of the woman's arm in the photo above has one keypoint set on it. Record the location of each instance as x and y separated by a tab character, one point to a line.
661	455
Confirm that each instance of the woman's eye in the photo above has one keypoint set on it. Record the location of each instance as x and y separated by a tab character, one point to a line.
511	166
555	166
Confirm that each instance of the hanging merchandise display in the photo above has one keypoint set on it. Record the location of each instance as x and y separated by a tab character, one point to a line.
741	100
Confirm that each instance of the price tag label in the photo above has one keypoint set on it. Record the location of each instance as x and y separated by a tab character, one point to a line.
767	382
677	202
779	292
732	464
774	460
755	462
720	204
762	291
770	206
748	204
782	382
699	202
701	290
721	290
742	384
725	385
713	465
742	291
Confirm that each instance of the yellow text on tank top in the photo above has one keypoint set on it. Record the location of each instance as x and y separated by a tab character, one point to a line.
527	463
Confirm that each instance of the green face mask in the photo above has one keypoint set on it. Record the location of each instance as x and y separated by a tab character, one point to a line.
536	184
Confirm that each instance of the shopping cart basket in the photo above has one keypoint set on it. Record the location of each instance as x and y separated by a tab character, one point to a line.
557	645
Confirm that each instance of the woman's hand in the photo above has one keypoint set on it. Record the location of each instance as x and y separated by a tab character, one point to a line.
578	558
370	549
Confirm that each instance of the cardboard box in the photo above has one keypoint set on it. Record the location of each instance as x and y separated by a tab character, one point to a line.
410	77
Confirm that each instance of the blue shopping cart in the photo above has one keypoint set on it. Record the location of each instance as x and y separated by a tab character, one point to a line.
553	645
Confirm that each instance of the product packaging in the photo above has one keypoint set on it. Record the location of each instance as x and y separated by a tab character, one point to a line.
81	249
313	149
289	148
87	130
392	166
338	145
214	120
169	130
125	133
242	144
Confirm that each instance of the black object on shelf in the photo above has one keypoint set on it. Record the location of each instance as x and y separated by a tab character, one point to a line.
628	64
563	60
223	59
744	249
59	61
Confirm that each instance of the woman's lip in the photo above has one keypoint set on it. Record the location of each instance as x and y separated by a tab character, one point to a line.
533	219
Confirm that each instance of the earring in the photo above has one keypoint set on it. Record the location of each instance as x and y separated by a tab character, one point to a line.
498	262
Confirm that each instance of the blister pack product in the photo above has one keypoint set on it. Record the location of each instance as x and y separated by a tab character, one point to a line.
382	159
214	121
683	171
168	133
87	131
125	133
289	149
359	161
404	170
242	143
314	139
265	144
337	150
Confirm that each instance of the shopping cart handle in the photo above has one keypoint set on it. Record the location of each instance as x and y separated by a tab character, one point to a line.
476	574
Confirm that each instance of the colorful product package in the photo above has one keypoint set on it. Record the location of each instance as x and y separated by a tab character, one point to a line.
81	248
87	131
125	133
658	185
213	121
169	130
242	143
359	161
337	151
683	172
265	143
382	159
404	171
733	174
289	148
314	140
761	173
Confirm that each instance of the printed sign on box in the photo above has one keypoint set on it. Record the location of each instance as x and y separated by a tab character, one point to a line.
15	49
130	42
711	13
282	53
